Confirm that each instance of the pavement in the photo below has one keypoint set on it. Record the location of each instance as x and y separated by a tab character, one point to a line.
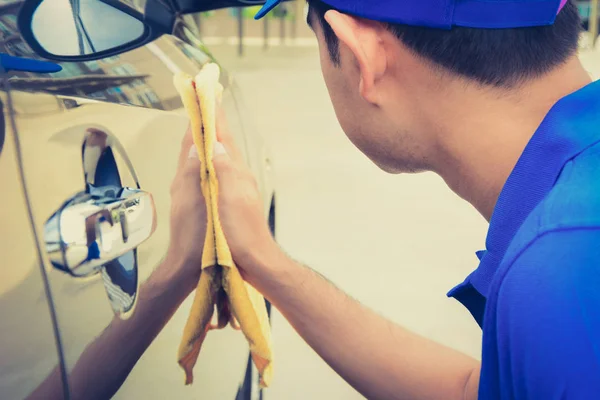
395	243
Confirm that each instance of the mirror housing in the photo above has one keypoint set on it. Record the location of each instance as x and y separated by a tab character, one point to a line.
158	17
83	38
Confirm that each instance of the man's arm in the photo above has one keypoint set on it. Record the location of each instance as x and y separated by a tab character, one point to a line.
377	357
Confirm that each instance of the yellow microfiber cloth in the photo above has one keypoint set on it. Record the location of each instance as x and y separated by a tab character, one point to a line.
220	284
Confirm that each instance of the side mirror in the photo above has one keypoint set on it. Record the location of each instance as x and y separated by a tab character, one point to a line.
81	30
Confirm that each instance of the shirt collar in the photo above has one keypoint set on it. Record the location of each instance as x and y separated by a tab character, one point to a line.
569	128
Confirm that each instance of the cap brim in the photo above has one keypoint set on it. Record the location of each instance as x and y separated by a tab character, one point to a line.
269	5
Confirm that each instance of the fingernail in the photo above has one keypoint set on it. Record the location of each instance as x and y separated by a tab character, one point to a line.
193	152
219	149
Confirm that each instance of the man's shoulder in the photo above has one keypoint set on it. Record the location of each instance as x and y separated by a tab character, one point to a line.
554	280
542	321
556	251
557	262
573	203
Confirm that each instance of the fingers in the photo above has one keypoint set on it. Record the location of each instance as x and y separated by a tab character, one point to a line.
221	159
193	152
221	123
220	150
186	143
233	177
225	168
192	163
188	176
226	138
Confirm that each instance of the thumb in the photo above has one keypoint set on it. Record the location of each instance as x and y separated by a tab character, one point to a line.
221	160
220	157
219	151
192	166
193	158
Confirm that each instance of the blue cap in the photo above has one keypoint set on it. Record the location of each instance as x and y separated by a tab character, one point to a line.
447	13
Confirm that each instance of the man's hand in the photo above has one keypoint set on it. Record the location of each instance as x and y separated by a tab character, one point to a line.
188	219
240	211
241	208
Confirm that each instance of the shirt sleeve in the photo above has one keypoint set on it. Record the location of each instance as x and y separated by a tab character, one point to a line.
549	319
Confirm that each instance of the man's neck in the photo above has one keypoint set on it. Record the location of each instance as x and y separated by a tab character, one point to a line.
484	132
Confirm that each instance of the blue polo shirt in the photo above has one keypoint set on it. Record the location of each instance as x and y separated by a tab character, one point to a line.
536	292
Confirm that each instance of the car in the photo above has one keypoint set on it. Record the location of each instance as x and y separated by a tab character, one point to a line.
87	156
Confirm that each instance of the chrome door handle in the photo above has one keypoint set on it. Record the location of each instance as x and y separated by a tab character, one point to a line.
93	229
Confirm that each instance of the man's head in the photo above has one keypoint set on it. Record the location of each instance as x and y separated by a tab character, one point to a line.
498	57
382	76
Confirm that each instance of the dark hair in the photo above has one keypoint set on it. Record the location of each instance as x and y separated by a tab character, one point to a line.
498	57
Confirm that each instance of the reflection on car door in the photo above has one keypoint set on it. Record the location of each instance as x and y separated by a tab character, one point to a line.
129	105
28	350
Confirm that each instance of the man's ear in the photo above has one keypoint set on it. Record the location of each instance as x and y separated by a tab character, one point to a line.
365	41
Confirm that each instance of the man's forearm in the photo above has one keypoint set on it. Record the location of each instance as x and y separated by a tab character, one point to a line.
378	358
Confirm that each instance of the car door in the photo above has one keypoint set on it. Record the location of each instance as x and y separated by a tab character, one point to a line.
28	345
117	123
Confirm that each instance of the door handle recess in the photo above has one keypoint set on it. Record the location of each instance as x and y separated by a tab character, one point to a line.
91	230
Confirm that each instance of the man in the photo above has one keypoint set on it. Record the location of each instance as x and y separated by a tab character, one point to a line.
492	97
